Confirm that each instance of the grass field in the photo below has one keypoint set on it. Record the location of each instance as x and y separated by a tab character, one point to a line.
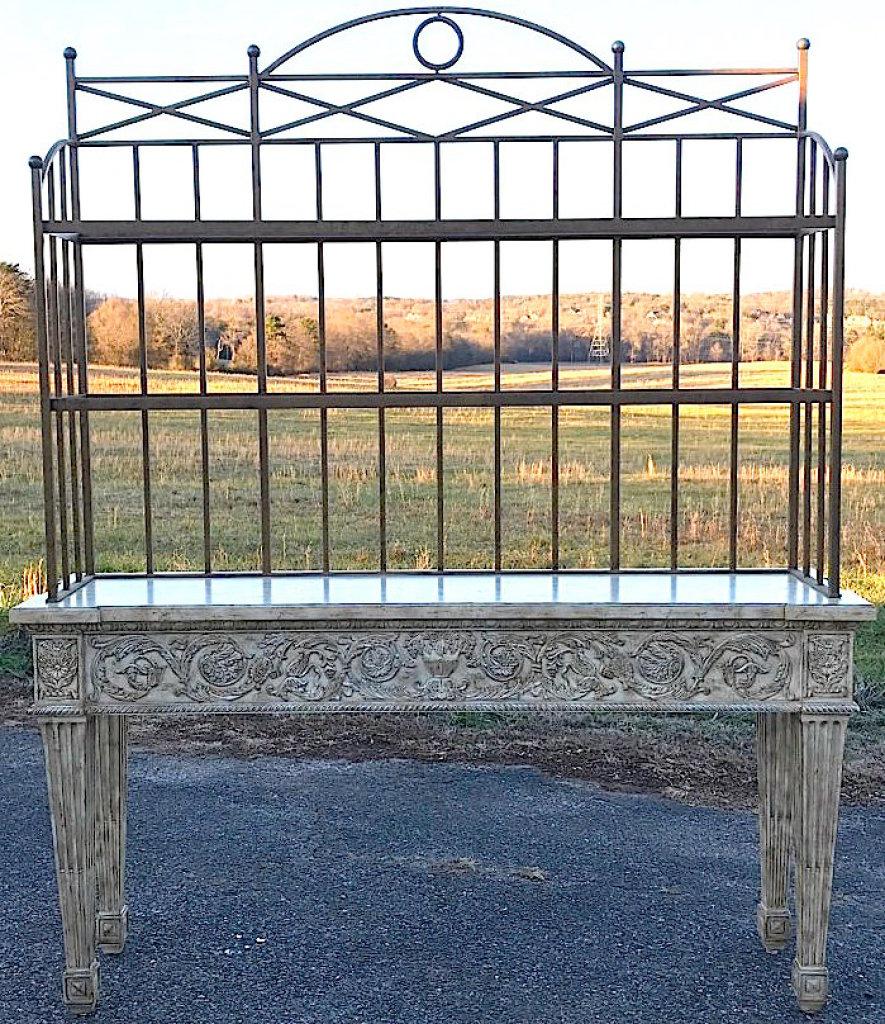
411	490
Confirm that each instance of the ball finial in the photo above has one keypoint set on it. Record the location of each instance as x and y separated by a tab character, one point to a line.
35	162
253	51
617	46
803	44
841	153
70	53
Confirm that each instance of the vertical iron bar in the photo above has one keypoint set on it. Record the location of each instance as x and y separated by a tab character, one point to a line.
496	334
36	165
55	358
554	376
615	456
201	355
379	332
796	344
260	336
67	346
440	510
78	311
809	370
822	378
835	512
677	340
735	367
321	338
143	377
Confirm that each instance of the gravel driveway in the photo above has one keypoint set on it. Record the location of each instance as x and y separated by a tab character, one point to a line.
391	892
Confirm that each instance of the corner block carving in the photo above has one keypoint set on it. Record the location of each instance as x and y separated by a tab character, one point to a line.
442	666
80	989
57	668
828	657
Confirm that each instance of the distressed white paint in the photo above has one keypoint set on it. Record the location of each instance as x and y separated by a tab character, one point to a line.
654	642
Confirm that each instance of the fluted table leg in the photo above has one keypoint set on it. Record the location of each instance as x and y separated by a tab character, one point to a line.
69	746
822	739
110	832
776	752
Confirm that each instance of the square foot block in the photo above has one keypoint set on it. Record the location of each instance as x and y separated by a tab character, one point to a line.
111	930
774	927
80	988
810	985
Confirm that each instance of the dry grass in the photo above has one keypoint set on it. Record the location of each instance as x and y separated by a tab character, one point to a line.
411	483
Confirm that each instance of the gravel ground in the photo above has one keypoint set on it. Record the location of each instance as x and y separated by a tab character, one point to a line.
279	891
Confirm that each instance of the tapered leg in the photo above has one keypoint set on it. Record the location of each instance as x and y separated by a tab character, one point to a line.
822	739
776	753
110	832
69	746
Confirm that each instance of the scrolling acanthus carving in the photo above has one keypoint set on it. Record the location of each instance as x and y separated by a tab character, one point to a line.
57	668
441	666
829	664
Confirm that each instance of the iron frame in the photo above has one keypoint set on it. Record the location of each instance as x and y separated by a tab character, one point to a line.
60	233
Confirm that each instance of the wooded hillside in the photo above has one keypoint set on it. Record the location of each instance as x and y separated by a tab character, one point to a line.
292	329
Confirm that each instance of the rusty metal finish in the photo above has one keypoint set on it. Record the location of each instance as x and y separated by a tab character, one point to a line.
676	359
204	416
143	375
809	375
822	356
835	495
61	233
735	368
54	328
516	230
43	374
440	399
66	323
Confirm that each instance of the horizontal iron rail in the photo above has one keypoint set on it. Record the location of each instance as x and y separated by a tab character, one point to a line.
654	570
605	397
194	574
695	72
398	76
81	80
387	140
129	231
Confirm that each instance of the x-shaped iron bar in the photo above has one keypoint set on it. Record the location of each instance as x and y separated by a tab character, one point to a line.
155	110
521	106
525	106
346	108
717	104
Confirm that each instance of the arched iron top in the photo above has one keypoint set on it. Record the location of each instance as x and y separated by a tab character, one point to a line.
431	12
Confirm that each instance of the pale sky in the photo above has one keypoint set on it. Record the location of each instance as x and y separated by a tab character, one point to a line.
203	37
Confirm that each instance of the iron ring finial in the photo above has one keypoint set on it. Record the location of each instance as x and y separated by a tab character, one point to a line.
432	65
70	53
35	162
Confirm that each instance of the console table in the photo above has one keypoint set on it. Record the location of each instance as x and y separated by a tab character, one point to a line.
766	643
556	124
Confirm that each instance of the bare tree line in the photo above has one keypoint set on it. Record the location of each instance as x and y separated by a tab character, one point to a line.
292	329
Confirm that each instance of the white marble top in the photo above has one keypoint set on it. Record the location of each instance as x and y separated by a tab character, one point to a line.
777	595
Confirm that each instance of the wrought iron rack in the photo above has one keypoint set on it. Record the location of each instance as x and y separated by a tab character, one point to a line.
816	227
